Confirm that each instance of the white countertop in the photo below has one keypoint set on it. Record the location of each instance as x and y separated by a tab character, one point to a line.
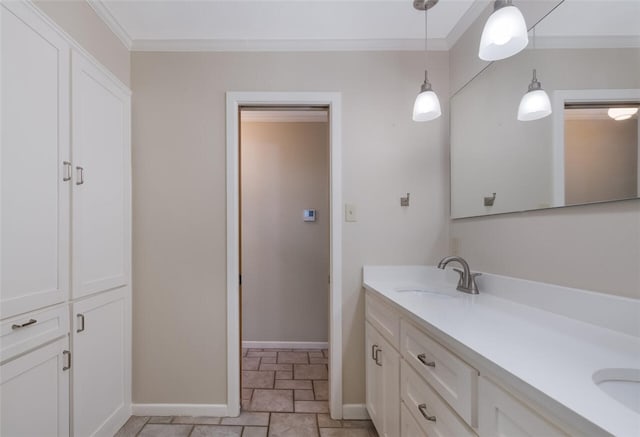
554	354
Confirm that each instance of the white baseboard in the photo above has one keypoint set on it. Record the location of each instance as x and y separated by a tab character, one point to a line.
216	410
355	412
285	344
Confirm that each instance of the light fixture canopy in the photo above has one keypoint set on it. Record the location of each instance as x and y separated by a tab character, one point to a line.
504	33
427	104
620	114
535	104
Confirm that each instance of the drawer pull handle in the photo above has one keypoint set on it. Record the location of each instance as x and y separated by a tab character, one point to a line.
67	356
423	360
376	359
80	322
423	410
80	171
373	351
25	324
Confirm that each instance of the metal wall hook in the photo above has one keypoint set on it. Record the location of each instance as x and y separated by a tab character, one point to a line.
488	201
404	201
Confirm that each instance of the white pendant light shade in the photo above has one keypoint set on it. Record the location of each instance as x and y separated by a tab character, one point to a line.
504	33
427	104
535	104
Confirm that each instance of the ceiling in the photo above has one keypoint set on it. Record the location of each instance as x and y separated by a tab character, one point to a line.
308	25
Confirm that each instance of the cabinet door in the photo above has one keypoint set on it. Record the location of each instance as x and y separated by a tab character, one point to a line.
102	168
382	383
102	363
34	393
34	201
372	370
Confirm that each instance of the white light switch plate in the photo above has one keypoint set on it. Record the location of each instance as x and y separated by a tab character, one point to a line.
350	212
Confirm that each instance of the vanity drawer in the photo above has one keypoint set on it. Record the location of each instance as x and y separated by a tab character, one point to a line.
384	319
429	410
451	377
502	414
28	331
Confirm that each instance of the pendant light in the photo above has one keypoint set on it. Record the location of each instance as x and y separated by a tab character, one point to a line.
535	104
504	33
427	104
620	114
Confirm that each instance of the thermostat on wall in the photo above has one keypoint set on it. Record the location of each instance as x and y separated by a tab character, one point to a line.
309	215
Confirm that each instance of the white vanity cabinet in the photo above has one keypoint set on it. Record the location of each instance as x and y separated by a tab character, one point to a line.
382	368
65	234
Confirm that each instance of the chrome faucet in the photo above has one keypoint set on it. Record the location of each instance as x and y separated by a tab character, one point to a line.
467	281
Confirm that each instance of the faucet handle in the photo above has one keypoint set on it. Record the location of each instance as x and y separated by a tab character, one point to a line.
474	286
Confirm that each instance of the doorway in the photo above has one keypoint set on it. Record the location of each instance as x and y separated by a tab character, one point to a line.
277	101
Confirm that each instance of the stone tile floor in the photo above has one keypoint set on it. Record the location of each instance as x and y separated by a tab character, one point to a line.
284	394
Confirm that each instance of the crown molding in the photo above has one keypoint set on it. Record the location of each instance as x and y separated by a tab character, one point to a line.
284	45
465	22
586	42
105	15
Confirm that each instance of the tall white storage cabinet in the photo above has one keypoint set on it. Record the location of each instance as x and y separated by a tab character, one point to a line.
65	259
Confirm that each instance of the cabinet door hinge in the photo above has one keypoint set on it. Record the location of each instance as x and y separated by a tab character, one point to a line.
67	363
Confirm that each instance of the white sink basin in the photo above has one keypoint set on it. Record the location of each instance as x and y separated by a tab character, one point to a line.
623	385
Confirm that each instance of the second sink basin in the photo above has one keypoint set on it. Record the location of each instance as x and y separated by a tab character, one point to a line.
623	385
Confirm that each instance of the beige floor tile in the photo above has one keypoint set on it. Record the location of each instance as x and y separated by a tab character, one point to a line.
200	420
325	421
272	400
310	371
325	352
246	393
255	431
293	425
268	360
293	357
132	426
312	406
244	351
251	363
303	395
321	390
343	432
252	354
269	366
319	360
248	418
257	379
357	424
160	419
162	430
293	384
244	404
316	354
284	374
216	431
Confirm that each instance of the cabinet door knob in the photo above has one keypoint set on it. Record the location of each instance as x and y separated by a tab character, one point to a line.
25	324
423	410
67	170
80	171
80	322
423	360
67	356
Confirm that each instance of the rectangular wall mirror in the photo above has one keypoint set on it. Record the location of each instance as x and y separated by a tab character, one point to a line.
587	58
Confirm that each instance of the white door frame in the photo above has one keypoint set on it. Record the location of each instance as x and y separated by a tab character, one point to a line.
234	101
560	97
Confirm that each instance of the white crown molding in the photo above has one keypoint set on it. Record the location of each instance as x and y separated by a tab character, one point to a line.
469	17
266	116
586	42
105	15
285	45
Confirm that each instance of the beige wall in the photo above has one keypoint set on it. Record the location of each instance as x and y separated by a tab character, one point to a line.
601	160
82	23
285	261
179	234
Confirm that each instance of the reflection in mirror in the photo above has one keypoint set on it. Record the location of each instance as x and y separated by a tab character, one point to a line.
587	54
